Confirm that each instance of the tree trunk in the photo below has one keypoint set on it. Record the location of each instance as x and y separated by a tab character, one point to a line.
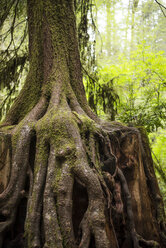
70	180
134	9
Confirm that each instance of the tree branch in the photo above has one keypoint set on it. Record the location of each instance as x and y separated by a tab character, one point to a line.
161	7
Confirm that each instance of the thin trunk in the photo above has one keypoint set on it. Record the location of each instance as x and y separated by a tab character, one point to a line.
134	9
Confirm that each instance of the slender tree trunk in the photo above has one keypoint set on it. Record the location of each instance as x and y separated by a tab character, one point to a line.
110	29
134	8
71	180
109	33
127	27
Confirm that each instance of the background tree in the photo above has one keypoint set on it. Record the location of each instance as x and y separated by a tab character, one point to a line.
70	179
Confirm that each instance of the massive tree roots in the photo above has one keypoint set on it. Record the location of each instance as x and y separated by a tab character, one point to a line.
73	182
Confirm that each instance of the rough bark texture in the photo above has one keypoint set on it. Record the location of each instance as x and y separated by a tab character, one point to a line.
70	180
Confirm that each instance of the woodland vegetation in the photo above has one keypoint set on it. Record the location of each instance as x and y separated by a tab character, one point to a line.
78	164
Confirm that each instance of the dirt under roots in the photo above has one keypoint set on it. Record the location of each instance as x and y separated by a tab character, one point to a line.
72	182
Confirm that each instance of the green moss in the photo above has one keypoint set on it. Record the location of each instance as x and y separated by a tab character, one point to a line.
7	128
58	173
15	136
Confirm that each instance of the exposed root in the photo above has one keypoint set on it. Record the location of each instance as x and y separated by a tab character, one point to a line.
52	233
10	197
105	187
64	204
85	232
148	243
20	163
21	139
128	204
119	206
34	211
95	212
69	147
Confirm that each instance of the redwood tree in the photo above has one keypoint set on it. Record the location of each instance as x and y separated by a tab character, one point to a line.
67	178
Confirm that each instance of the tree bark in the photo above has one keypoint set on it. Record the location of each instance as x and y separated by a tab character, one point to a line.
73	180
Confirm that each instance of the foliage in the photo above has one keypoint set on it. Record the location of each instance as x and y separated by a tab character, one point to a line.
101	93
158	144
85	12
145	96
134	89
13	54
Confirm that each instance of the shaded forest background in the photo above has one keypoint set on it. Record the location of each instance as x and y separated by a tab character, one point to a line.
123	53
